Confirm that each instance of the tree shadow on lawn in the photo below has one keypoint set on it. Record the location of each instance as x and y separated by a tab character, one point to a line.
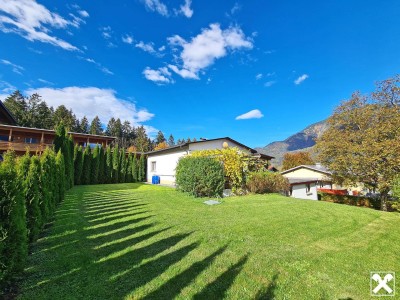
86	256
268	293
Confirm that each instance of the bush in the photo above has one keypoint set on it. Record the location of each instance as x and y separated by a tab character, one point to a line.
78	164
95	165
87	164
33	197
267	182
13	234
200	176
352	200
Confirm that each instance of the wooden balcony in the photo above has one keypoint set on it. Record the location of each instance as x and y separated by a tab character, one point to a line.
23	147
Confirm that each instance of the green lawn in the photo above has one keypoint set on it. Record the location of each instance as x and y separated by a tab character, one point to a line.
140	241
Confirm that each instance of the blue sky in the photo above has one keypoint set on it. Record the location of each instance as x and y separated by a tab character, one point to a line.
257	71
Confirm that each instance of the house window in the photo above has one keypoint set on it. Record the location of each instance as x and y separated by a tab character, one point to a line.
30	140
308	188
153	166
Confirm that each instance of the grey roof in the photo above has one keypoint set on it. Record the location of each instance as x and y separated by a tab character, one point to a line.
253	151
317	167
299	180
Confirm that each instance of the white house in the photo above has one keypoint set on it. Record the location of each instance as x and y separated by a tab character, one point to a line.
306	179
163	162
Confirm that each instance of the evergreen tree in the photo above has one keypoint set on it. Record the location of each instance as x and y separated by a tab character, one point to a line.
171	141
188	140
134	169
160	138
60	137
142	169
32	199
16	104
110	127
84	125
61	184
47	184
66	116
122	172
87	162
95	165
44	116
109	166
13	246
116	164
102	164
128	175
78	164
95	126
142	141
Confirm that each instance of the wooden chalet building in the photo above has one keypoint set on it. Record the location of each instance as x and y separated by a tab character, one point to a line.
20	139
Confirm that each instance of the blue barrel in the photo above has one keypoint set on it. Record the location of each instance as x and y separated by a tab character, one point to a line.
155	179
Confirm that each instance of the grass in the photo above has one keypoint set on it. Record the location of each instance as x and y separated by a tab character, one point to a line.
138	241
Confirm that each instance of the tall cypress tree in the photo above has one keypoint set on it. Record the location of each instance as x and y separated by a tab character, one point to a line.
61	184
116	165
101	165
134	169
129	168
33	197
109	166
69	160
142	168
95	165
14	248
78	164
87	162
122	170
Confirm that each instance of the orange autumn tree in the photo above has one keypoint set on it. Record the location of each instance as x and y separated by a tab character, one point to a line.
291	160
160	146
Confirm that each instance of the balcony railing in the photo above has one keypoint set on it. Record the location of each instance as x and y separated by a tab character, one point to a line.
22	147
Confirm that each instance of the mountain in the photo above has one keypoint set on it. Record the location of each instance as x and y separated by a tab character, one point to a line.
300	141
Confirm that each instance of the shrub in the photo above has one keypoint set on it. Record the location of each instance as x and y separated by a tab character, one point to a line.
108	166
102	164
33	197
87	163
134	169
13	234
200	176
47	184
351	200
78	164
267	182
61	182
115	165
122	164
95	165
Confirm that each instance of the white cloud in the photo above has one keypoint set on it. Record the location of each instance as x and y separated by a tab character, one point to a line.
160	76
34	22
301	79
253	114
211	44
6	88
45	81
128	39
157	6
186	10
106	32
15	68
162	48
92	101
83	13
146	47
269	83
99	66
235	8
259	76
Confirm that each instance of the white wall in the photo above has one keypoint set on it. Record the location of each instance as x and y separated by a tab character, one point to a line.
166	163
217	144
299	191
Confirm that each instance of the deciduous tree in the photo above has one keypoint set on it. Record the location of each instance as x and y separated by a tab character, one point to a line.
362	141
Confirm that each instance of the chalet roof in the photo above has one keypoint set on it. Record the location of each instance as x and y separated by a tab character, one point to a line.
185	146
300	180
6	114
49	131
319	168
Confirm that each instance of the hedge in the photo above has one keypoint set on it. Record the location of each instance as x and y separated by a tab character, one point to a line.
200	176
351	200
267	182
